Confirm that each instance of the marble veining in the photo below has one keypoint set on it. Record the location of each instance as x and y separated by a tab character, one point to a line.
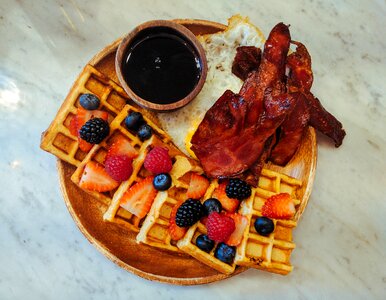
341	238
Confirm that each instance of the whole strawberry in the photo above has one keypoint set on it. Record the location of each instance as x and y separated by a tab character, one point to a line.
219	227
119	167
158	161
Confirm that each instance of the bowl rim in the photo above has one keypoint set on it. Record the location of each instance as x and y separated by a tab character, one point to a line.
186	34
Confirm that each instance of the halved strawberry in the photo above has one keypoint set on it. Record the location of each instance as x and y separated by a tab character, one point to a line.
280	206
82	116
197	186
95	178
229	204
139	198
122	146
241	222
175	231
74	126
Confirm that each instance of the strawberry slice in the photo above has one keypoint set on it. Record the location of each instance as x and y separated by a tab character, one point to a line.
82	116
241	222
122	146
74	126
197	186
280	206
139	198
95	178
229	204
175	231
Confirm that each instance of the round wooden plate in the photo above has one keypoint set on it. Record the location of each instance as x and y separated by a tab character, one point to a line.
118	244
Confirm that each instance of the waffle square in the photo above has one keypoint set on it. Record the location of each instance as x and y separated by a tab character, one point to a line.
155	228
57	139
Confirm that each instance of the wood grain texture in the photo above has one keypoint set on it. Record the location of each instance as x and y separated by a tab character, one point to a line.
118	243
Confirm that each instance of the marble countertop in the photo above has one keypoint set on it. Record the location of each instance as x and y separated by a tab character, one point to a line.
341	239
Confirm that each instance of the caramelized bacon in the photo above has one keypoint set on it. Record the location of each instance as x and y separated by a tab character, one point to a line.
225	154
301	78
300	72
271	70
323	121
232	136
292	131
251	176
247	59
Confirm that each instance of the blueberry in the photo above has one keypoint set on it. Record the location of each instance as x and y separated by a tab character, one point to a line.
211	205
162	182
134	120
89	101
204	243
144	132
225	253
264	226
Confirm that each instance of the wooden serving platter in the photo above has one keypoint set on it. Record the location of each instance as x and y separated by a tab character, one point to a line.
119	244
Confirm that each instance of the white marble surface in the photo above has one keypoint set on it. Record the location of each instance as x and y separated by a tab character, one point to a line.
341	239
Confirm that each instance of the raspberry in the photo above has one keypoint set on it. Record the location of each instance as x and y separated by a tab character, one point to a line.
158	161
219	227
119	167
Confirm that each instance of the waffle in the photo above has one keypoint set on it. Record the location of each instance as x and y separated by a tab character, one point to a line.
155	228
270	253
98	154
57	139
187	243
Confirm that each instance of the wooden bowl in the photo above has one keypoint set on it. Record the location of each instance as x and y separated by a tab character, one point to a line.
119	244
181	31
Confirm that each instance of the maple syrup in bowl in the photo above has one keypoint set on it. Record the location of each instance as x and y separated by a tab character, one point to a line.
161	65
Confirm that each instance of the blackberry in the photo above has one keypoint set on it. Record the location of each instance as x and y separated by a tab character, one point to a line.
94	130
237	188
189	213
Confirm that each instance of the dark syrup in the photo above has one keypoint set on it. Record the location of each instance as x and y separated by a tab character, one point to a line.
161	67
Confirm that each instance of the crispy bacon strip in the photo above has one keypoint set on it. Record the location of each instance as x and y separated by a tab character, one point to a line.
251	176
271	70
293	128
292	131
230	148
301	79
323	121
247	59
234	131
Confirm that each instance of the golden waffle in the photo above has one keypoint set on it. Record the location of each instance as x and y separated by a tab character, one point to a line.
98	154
268	253
155	228
187	243
57	139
